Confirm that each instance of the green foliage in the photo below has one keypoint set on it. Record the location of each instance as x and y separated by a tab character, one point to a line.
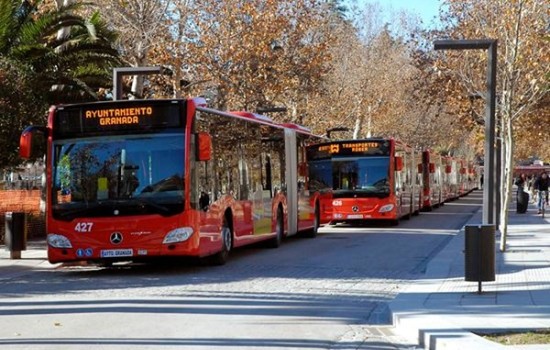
20	105
71	57
47	57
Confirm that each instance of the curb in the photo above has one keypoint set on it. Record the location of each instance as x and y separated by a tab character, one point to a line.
431	330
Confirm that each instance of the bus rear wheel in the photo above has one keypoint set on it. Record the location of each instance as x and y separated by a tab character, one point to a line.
275	242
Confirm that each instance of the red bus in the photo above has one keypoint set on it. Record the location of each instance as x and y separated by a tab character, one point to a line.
463	177
475	172
133	180
368	178
431	169
451	178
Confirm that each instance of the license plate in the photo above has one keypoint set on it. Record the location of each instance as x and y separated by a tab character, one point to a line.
115	253
355	216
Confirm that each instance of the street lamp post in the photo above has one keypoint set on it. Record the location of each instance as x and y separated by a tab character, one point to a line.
262	110
118	73
489	198
338	128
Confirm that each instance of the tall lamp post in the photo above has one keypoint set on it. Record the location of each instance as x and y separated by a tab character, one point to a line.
263	110
118	73
489	198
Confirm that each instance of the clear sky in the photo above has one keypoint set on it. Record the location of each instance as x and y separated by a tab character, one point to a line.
427	10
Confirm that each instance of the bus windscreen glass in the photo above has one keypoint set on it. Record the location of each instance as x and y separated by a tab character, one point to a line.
362	175
118	175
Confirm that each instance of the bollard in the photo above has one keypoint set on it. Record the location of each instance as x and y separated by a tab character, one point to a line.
479	249
16	234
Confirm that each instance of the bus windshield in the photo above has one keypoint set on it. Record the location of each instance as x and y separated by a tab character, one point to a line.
362	176
118	175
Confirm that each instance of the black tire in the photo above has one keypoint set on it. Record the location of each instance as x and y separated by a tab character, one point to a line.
393	222
221	257
406	216
276	241
316	224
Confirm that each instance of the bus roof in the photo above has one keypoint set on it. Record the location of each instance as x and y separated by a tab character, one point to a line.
255	116
296	127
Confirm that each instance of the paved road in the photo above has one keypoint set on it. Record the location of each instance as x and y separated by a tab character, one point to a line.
325	293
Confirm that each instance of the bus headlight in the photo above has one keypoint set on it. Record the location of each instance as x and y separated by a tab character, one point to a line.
385	208
58	241
179	234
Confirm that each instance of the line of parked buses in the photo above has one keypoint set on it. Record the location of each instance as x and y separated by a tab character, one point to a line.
137	179
384	179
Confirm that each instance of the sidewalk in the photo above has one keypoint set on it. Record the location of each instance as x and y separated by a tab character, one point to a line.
441	310
34	258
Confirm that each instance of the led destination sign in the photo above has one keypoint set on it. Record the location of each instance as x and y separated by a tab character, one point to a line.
349	148
116	116
97	118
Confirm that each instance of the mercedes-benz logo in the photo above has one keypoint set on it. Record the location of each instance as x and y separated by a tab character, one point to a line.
355	209
116	237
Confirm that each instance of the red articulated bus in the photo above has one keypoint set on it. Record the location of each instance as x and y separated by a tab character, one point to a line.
134	180
368	178
451	178
474	172
431	169
463	178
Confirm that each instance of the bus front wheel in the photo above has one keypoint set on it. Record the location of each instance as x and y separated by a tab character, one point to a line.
221	257
316	224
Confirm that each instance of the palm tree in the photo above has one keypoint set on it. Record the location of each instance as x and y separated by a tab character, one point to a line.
47	56
69	57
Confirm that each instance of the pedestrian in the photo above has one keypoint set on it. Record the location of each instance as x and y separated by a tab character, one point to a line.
522	197
521	181
541	185
481	180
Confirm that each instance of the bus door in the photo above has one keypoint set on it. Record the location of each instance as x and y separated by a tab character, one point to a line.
291	180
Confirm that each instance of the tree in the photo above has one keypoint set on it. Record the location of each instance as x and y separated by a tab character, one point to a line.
65	67
140	25
251	54
381	82
20	105
40	68
520	27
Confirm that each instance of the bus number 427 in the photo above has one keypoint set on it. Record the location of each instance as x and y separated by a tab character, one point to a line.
84	227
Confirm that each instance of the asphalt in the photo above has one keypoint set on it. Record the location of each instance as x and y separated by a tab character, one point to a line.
442	310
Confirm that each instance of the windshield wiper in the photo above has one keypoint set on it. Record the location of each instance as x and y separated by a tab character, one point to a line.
77	211
161	208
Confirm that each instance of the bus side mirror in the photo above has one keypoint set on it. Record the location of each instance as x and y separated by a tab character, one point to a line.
398	163
204	146
32	142
432	168
448	169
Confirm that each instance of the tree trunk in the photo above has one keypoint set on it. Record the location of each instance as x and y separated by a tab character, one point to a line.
369	122
508	163
358	126
137	80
